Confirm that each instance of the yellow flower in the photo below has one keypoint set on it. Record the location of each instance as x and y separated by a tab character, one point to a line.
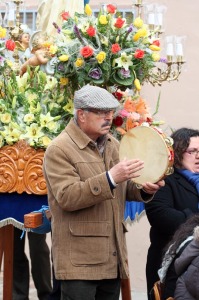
29	118
2	32
142	32
6	118
88	10
155	56
63	81
154	48
138	22
137	84
10	63
53	49
45	141
101	56
79	62
103	20
45	119
64	57
69	107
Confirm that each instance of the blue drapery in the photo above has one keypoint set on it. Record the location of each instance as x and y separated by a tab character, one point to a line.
133	210
14	206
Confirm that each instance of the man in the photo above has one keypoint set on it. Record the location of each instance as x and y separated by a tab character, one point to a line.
87	187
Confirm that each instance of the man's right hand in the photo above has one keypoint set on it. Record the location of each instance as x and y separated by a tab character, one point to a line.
126	169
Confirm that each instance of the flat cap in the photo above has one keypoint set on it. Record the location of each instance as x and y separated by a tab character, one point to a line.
94	97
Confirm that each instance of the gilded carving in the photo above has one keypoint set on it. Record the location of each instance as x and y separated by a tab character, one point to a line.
21	169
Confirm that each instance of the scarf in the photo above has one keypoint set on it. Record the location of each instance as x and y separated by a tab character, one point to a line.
193	178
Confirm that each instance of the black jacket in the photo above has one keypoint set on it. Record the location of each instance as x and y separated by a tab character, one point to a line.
170	207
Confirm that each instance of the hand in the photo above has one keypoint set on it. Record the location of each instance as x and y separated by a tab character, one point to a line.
126	169
152	188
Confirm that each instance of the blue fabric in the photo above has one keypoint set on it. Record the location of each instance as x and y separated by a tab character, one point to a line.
133	209
193	178
14	205
46	226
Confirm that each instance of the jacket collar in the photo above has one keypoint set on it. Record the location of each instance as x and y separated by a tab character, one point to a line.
184	182
78	136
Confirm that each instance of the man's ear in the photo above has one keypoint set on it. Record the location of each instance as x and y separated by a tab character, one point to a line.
81	115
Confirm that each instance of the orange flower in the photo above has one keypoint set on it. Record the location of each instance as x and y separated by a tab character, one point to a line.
119	23
91	31
130	124
111	8
115	48
141	107
65	15
86	51
129	106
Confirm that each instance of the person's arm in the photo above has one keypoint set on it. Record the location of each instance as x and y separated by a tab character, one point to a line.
170	207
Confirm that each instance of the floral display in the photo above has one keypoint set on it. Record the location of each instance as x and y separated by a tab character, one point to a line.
34	107
134	111
105	50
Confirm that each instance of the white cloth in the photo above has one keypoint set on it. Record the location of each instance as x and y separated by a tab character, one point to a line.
49	11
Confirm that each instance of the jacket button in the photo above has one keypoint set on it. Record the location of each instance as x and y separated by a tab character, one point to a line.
114	253
96	189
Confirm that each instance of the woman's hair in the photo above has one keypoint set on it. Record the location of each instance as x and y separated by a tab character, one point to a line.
181	139
182	233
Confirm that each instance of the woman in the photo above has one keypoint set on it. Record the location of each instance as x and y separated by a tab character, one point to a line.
174	203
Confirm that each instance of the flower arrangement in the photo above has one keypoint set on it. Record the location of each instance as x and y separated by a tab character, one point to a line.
34	107
105	50
134	111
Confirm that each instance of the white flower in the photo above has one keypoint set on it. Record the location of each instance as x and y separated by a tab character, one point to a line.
124	61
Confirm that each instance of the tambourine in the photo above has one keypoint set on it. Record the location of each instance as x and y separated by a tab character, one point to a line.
152	146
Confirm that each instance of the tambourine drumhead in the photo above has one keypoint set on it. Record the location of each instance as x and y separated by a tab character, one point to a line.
148	145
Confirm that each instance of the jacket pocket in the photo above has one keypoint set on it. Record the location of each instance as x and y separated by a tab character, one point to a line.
89	242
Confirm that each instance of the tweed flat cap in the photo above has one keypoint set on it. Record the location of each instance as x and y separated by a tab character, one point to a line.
94	97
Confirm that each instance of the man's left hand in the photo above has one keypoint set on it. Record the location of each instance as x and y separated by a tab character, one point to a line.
152	188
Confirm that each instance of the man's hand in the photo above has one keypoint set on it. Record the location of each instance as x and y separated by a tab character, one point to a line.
126	169
152	188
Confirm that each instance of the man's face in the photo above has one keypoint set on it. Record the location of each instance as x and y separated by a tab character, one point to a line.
95	123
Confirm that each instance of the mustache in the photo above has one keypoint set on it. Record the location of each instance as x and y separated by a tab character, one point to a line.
107	123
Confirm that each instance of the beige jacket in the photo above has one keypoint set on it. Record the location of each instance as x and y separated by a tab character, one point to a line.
88	240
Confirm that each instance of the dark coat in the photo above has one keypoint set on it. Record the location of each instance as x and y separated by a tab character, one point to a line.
171	207
187	268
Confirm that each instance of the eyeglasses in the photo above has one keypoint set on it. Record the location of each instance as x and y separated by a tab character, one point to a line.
193	152
102	113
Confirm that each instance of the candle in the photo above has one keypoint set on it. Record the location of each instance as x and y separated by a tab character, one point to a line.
179	49
170	49
159	19
151	18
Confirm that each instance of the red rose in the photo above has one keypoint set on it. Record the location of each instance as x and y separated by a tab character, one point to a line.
91	31
118	121
86	51
118	95
10	45
115	48
65	15
156	43
119	23
111	9
139	53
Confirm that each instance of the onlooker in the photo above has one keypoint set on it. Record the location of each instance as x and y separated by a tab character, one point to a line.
174	202
187	268
182	237
87	187
40	266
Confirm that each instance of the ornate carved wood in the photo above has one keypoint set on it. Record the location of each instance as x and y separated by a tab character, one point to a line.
21	169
